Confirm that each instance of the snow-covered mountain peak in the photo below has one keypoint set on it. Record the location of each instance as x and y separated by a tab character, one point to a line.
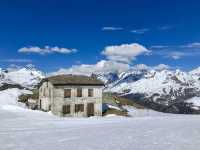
195	71
25	77
156	84
108	78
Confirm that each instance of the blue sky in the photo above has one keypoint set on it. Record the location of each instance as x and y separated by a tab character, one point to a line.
75	32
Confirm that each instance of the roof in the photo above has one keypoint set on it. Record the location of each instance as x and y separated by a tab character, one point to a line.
73	80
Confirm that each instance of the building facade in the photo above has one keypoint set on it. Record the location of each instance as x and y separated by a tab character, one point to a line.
71	95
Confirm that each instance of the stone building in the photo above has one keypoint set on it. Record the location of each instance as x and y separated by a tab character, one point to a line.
71	95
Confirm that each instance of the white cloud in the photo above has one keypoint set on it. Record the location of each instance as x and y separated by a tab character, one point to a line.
161	67
13	67
112	28
139	31
17	60
176	55
166	27
177	51
159	46
145	67
102	66
46	50
118	60
140	67
125	52
192	45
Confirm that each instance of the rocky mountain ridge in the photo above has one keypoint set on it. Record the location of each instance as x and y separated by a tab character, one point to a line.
160	89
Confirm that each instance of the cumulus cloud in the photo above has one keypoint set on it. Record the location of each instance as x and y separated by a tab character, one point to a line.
140	67
103	66
125	52
118	60
139	31
106	66
112	28
46	50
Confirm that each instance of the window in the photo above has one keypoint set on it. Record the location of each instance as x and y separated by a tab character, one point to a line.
66	109
90	92
79	92
79	107
67	93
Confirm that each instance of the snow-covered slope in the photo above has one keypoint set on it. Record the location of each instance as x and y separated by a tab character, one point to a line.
108	77
10	96
24	129
195	71
26	77
153	82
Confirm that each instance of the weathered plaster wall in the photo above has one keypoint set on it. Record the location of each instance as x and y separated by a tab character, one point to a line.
54	96
59	100
46	96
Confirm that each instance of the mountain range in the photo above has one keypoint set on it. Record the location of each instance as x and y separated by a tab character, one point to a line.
159	88
162	89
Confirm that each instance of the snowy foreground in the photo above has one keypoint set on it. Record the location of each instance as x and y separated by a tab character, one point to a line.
23	129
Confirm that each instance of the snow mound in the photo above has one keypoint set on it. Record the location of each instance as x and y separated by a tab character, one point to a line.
9	97
135	112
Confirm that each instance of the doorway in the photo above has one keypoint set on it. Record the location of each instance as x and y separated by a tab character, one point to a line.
90	109
40	104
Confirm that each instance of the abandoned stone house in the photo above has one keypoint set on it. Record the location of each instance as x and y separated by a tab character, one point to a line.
71	95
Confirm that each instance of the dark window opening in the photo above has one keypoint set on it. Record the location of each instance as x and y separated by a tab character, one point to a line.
67	93
79	108
79	92
40	103
90	92
66	109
